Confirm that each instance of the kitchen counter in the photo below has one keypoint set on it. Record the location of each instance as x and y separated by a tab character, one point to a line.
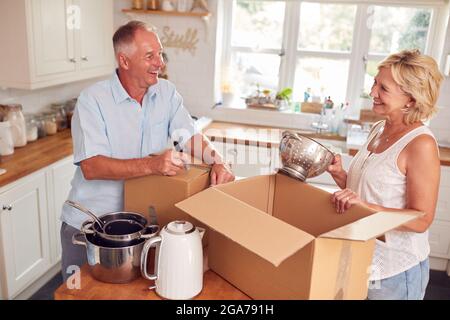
256	135
271	136
44	152
35	156
214	288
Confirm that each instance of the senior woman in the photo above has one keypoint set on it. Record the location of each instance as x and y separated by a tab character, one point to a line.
398	168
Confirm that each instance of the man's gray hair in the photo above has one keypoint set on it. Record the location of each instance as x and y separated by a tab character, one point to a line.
124	36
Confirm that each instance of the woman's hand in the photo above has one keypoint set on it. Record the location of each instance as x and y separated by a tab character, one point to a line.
337	171
344	199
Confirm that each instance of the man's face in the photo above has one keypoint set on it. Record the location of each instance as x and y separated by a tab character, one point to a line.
146	61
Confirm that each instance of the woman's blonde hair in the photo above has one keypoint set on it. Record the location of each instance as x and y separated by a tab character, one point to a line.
418	76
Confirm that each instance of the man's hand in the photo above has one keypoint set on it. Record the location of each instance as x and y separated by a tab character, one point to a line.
168	163
221	173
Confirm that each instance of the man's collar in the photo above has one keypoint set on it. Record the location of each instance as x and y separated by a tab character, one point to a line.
120	94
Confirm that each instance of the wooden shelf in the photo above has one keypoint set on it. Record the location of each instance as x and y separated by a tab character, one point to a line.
169	13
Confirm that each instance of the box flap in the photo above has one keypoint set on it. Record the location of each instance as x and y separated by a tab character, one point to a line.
372	226
191	174
264	235
262	191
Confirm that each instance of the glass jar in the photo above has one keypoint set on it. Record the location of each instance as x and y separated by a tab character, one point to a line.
60	115
32	128
50	125
69	106
138	4
6	140
18	130
40	123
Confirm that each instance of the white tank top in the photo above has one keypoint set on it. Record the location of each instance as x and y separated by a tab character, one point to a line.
377	179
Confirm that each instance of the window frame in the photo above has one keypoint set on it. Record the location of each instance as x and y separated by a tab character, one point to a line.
360	45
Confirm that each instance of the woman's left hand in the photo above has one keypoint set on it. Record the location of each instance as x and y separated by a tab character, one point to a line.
344	199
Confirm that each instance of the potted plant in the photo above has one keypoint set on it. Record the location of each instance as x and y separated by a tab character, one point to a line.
283	98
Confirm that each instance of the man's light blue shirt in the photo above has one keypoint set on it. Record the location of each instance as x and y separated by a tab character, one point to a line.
108	122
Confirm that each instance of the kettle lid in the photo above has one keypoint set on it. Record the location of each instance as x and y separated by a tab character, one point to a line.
180	227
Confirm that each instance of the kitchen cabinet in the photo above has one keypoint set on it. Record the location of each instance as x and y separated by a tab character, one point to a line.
439	232
50	42
245	160
59	179
29	226
24	233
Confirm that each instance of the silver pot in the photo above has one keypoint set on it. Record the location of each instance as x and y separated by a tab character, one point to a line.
108	263
121	227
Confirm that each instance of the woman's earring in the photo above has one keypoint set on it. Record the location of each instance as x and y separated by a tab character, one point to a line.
405	109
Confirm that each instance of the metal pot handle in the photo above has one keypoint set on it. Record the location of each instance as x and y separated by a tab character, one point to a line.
150	235
88	228
148	244
78	242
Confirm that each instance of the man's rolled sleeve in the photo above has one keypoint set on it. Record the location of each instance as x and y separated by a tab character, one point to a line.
181	122
89	133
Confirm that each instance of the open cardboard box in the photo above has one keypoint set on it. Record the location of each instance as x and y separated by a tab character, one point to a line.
274	237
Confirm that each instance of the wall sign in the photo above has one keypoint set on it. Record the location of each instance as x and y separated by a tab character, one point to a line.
185	42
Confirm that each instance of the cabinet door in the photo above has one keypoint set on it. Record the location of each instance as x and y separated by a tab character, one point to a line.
95	34
24	234
61	177
245	160
53	39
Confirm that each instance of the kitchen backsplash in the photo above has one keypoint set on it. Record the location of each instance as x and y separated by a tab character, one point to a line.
34	101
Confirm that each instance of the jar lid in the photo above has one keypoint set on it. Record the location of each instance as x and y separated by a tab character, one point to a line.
13	106
57	106
29	117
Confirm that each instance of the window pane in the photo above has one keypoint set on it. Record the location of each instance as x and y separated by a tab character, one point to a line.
396	28
325	77
326	26
250	69
258	24
371	72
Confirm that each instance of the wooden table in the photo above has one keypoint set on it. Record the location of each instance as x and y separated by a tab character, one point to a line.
214	288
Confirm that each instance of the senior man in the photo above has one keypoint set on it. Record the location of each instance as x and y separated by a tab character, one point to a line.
118	123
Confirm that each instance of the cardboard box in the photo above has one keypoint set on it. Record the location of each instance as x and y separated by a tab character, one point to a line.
274	237
162	192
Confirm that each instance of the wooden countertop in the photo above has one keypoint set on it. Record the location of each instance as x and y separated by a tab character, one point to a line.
44	152
256	135
271	136
35	156
214	288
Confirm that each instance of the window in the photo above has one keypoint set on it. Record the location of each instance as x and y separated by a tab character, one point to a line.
330	48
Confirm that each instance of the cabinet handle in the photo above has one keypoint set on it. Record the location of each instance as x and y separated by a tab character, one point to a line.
73	60
8	207
84	58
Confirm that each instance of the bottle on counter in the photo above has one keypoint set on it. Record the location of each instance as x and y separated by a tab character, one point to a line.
18	129
32	128
6	140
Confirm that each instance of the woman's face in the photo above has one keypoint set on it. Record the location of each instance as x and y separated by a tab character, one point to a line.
388	97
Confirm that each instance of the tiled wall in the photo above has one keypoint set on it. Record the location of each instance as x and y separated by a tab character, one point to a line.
34	101
192	73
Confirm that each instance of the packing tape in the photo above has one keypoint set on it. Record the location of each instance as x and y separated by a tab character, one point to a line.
343	275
